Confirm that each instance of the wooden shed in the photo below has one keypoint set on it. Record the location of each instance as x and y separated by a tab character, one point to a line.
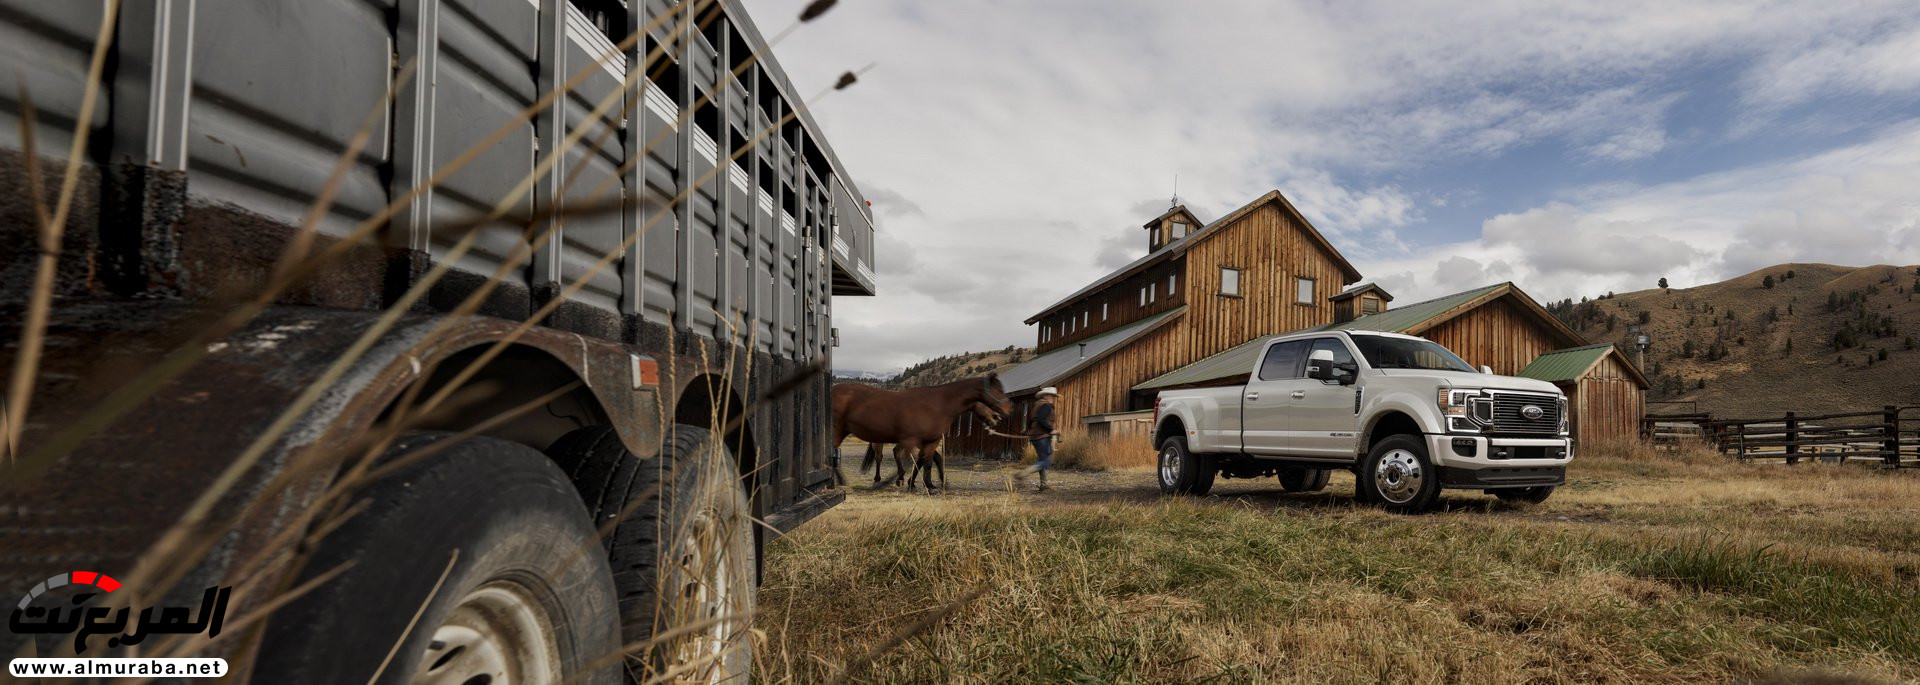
1606	394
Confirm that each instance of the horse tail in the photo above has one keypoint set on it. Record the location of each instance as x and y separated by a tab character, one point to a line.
870	461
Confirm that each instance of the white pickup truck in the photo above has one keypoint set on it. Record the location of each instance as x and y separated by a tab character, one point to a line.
1404	414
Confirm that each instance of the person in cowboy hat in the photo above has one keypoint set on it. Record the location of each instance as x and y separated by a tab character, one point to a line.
1041	433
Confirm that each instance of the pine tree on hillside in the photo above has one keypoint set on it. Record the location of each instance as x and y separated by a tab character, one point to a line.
1767	282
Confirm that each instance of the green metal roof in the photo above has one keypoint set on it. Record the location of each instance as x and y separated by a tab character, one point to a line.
1238	360
1403	319
1049	368
1565	366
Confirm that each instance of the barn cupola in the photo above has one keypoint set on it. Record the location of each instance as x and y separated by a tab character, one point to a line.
1170	227
1359	301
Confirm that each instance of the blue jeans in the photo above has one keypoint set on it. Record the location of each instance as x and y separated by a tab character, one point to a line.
1043	451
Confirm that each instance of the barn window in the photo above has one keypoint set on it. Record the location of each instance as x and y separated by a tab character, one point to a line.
1086	317
1369	305
1103	311
1173	281
1303	290
1143	297
1150	291
1179	230
1229	281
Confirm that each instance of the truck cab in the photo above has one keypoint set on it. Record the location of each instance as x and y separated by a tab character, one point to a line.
1406	415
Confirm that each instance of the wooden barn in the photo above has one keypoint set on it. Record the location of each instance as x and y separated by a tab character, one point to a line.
1606	394
1197	290
1197	308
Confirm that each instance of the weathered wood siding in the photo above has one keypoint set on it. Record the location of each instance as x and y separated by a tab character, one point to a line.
1497	334
1270	246
1606	404
1122	299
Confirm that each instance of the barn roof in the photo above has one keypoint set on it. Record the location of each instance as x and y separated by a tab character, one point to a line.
1568	365
1272	197
1176	209
1049	368
1362	288
1412	319
1133	267
1180	247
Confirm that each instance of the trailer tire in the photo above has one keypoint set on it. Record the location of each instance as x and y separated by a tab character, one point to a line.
1398	476
465	563
1302	479
1533	495
1181	472
695	481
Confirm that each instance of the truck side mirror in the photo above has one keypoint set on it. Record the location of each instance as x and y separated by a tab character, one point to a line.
1320	365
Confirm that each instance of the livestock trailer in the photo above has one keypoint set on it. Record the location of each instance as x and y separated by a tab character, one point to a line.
344	287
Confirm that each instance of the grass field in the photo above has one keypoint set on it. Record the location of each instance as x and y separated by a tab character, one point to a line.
1644	569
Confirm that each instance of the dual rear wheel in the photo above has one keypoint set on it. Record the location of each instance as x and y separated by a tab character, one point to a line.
483	563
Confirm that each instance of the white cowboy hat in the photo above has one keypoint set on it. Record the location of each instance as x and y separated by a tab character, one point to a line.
1049	390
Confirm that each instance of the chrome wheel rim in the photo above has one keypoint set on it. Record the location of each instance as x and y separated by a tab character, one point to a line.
1398	476
1169	465
498	634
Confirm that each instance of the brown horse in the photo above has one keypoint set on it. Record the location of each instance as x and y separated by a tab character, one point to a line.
987	416
914	420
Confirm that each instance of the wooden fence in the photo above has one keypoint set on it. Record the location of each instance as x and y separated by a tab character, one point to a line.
1890	437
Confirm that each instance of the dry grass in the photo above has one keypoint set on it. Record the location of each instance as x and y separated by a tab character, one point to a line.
1647	568
1100	453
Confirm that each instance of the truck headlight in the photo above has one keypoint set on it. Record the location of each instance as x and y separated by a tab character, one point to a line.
1563	414
1454	403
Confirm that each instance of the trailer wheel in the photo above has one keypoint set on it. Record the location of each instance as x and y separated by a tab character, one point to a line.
1398	476
1533	495
1302	479
1182	472
704	576
518	602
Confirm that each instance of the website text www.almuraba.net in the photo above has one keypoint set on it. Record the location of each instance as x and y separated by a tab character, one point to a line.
177	667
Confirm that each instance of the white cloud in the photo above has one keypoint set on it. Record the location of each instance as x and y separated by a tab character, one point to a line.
1009	143
1854	205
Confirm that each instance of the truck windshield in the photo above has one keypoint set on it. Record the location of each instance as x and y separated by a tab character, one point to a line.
1383	352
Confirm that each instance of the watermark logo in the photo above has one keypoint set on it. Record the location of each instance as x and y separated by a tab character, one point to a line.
84	621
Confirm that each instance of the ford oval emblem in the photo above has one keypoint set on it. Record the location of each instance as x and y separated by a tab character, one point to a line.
1532	413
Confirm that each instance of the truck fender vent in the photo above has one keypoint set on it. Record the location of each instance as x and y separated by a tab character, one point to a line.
1356	400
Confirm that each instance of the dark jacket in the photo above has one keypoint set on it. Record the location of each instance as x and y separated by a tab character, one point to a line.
1040	424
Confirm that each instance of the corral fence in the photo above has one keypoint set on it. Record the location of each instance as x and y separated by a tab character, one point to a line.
1889	437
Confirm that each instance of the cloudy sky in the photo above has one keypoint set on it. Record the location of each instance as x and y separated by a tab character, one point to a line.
1012	149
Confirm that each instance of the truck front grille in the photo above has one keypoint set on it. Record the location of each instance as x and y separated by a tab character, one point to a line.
1509	413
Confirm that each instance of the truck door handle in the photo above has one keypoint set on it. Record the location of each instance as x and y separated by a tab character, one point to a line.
1297	394
1253	396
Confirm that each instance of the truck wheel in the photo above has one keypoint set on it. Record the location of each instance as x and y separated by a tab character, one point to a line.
1533	495
1302	479
1183	473
708	562
1398	476
520	603
703	576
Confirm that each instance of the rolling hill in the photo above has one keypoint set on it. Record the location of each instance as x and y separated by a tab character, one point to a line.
1803	337
953	367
